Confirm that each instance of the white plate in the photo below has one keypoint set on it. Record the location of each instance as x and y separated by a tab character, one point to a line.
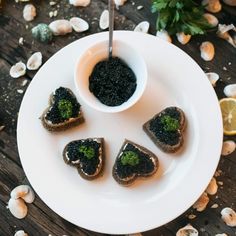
103	205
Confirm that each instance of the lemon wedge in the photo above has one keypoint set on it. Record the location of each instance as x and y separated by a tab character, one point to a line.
228	110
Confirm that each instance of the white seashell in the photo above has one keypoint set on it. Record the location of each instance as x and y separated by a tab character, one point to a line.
230	2
230	90
78	24
163	34
18	70
183	38
201	203
221	235
188	230
120	2
207	51
17	208
20	233
80	3
212	187
60	27
213	77
224	34
142	27
23	191
228	215
104	20
19	191
29	198
29	12
35	61
211	19
228	147
212	5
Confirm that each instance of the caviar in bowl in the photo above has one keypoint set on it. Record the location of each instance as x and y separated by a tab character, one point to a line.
110	85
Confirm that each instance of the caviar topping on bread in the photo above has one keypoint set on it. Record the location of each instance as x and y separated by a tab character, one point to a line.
87	155
166	129
63	111
133	161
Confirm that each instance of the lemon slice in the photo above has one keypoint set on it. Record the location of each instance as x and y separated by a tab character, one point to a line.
228	110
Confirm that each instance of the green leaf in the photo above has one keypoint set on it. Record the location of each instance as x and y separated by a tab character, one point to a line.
180	16
65	108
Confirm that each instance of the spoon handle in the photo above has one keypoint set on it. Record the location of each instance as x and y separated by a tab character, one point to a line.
111	26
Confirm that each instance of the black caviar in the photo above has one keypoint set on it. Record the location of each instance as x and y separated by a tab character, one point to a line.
112	82
157	127
145	165
88	165
54	114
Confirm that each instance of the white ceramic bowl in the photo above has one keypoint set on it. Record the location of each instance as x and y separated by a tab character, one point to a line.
99	52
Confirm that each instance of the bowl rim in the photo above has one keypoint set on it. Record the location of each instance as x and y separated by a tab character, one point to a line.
126	105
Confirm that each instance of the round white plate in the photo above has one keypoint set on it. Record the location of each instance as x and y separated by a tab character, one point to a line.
103	205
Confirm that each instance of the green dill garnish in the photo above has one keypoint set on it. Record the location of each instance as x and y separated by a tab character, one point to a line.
129	158
169	123
87	151
65	108
177	16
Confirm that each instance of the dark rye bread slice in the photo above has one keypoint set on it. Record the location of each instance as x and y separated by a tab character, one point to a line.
69	114
134	161
87	155
169	140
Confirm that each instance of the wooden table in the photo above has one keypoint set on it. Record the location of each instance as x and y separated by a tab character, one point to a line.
40	219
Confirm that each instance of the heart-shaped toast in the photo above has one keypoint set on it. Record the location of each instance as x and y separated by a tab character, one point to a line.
87	155
133	161
166	129
63	111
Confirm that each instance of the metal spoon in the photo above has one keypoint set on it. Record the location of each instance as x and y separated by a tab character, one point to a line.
111	26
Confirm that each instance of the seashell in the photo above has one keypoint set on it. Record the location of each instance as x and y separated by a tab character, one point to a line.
78	24
104	20
142	27
35	61
18	70
183	38
228	215
120	2
211	19
213	78
230	2
23	191
17	208
188	230
212	187
228	147
20	233
212	5
60	27
207	51
19	191
30	196
201	203
221	234
29	12
230	90
163	34
80	3
42	33
224	34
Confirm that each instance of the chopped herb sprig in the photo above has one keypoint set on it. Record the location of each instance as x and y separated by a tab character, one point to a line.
177	16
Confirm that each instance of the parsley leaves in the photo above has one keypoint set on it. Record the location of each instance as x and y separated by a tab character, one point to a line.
180	16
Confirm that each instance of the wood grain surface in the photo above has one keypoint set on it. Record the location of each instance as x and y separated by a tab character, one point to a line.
40	219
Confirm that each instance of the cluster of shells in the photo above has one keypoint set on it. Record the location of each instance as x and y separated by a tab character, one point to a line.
19	196
33	63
